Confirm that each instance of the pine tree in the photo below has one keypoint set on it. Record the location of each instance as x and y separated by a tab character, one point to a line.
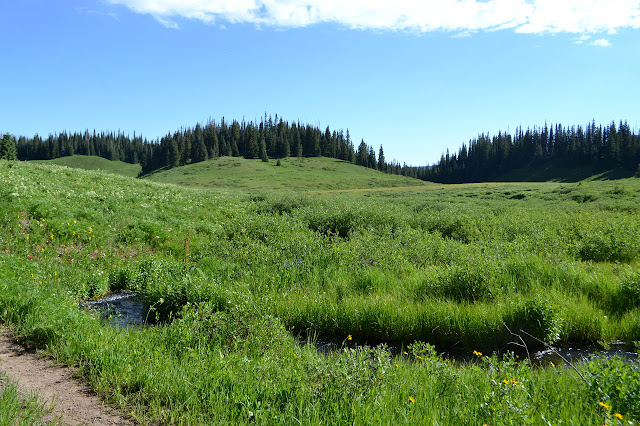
362	155
282	145
262	151
235	138
252	147
7	148
198	148
174	154
382	165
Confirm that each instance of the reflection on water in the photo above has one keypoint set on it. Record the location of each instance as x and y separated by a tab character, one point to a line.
124	309
573	354
555	355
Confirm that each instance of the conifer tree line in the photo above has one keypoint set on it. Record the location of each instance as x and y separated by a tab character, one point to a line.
270	138
485	157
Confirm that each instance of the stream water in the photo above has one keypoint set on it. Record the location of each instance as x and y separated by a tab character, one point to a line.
572	354
123	309
126	309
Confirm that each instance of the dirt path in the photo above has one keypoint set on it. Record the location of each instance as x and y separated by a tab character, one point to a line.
74	403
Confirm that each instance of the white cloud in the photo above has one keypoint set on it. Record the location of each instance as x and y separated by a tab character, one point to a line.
581	39
524	16
601	42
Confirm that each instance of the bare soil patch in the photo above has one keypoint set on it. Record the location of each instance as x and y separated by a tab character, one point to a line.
71	400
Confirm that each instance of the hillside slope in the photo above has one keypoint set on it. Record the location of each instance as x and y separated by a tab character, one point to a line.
92	162
317	173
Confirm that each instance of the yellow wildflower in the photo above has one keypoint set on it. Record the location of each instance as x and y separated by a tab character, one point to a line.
605	405
411	399
477	353
349	337
618	416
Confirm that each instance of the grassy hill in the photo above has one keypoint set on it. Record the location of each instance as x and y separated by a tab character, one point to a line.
298	174
302	174
90	162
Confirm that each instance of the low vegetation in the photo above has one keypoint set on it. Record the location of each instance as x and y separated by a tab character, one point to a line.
16	409
241	281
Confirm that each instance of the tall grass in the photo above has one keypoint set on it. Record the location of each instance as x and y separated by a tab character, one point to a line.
234	281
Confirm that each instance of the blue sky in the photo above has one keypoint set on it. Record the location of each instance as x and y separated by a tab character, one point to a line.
417	77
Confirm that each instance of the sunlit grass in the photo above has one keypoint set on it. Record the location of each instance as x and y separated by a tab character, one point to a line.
236	279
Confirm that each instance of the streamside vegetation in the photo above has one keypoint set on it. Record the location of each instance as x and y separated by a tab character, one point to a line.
240	284
16	409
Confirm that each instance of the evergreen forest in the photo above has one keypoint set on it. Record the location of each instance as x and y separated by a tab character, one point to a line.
484	158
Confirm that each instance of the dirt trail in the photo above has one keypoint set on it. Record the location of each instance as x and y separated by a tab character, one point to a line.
74	403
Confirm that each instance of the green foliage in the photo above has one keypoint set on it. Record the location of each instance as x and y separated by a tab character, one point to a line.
615	384
629	295
616	241
15	409
7	148
536	320
234	279
463	283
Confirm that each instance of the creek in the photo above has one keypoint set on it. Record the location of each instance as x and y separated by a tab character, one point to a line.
127	309
123	309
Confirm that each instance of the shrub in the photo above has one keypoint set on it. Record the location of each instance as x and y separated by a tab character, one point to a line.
467	283
617	242
333	223
615	384
629	296
536	320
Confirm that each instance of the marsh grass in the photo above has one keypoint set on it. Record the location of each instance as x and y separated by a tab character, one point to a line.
431	265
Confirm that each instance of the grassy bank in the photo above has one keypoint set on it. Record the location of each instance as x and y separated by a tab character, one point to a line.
234	277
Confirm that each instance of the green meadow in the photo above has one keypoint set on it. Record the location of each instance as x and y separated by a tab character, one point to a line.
298	174
243	265
87	162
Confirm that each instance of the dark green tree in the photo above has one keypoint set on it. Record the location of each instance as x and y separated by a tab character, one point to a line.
198	147
173	154
252	148
362	155
382	165
262	150
8	148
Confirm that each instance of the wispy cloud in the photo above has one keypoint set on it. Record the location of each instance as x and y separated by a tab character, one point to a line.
86	11
460	16
581	39
601	42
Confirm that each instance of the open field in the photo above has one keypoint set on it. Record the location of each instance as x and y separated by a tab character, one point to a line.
235	275
298	174
91	162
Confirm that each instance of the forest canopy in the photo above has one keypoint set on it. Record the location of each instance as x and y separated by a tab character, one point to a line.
484	158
